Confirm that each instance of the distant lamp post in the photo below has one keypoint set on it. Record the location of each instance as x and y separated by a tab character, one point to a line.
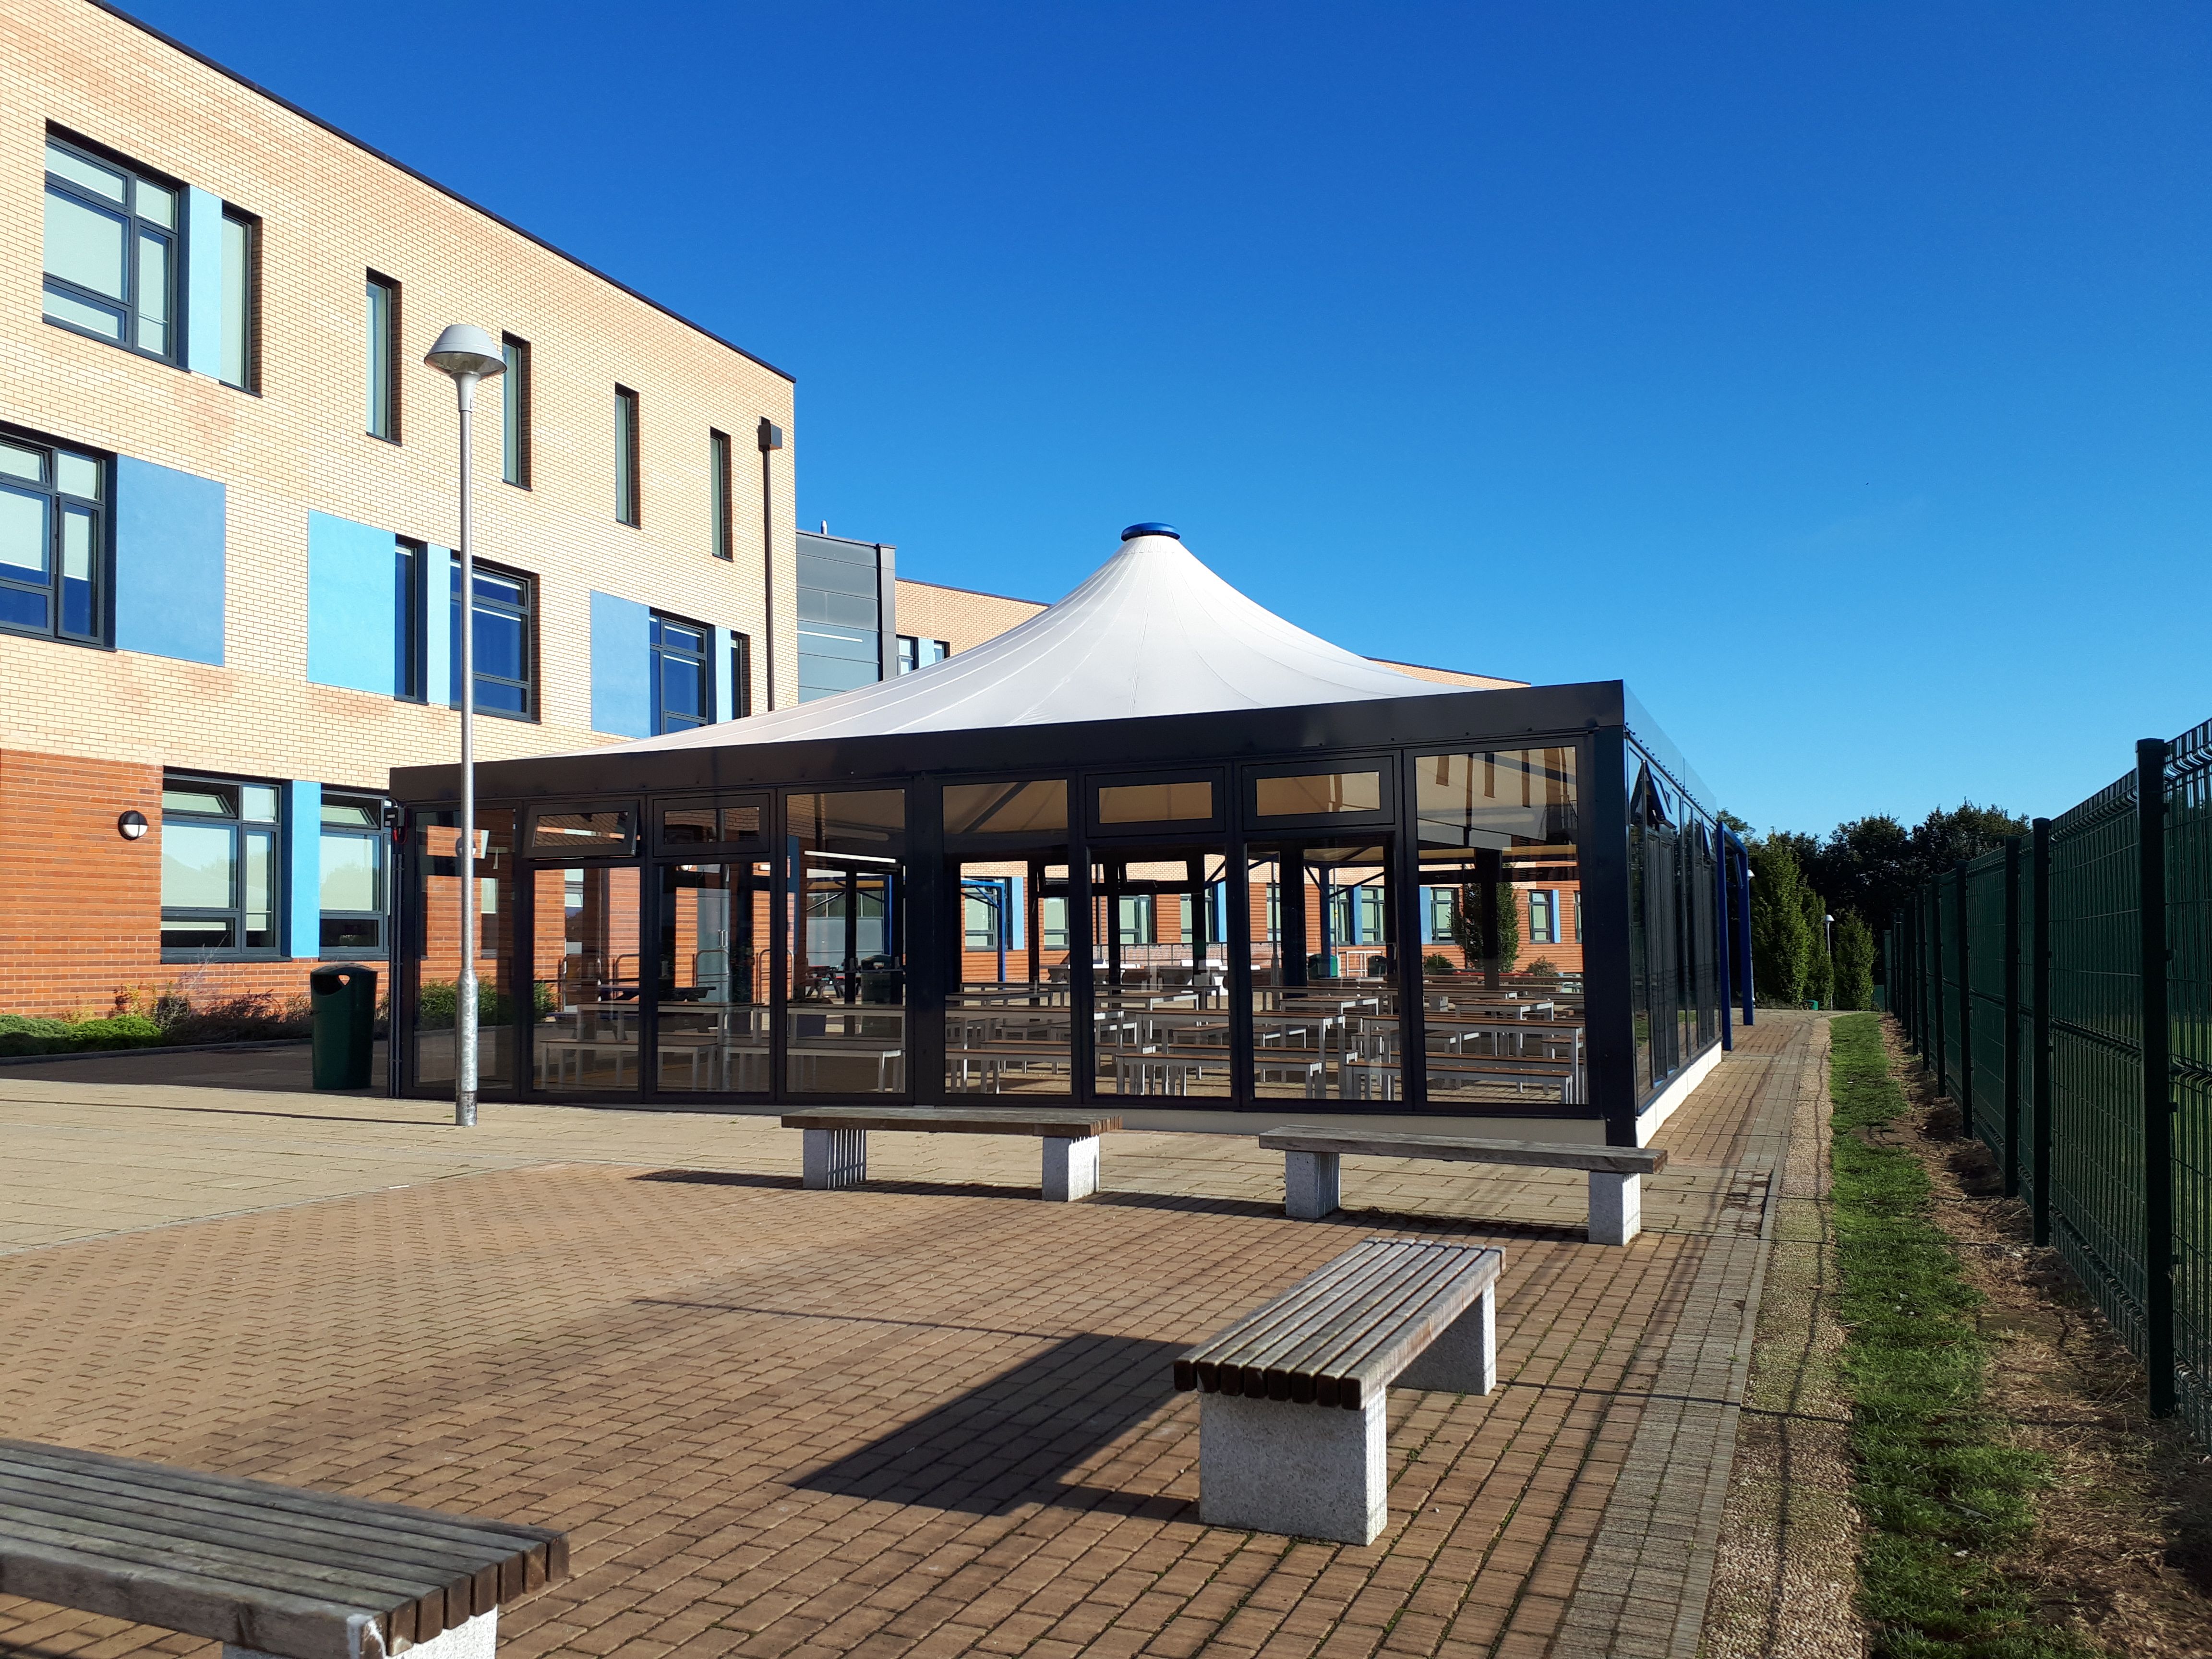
469	354
1829	932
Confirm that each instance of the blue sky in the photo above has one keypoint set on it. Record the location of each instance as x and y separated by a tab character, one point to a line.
1840	377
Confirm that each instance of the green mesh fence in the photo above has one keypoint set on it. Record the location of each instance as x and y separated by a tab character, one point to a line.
2046	1055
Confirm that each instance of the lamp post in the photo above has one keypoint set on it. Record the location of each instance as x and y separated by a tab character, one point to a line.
469	354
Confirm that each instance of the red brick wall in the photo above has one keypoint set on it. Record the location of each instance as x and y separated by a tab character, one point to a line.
80	924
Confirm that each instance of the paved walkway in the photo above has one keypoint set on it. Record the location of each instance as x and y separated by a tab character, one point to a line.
926	1417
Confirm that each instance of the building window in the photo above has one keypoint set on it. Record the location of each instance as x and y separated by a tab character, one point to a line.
112	251
219	882
839	605
382	366
53	553
506	642
1543	917
1052	913
1136	919
741	675
683	684
515	413
410	561
719	531
626	502
241	301
915	652
987	905
353	874
1579	917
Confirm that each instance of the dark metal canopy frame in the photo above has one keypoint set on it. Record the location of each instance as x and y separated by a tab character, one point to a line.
1662	925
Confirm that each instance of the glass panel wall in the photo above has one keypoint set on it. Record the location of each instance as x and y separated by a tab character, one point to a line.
1674	943
847	1021
437	899
1326	1023
1501	962
711	1018
587	980
1160	971
1009	1017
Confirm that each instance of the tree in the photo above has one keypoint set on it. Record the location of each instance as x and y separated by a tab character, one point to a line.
1854	961
1467	924
1819	984
1780	950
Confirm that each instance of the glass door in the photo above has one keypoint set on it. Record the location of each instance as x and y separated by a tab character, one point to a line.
587	980
845	1031
711	1021
1326	1023
1160	972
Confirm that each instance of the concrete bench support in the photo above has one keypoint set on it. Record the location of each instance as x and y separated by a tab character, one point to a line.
1308	1471
1313	1184
833	1158
472	1639
1616	1207
1071	1168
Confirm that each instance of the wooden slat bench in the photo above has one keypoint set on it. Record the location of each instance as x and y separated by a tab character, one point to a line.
262	1568
836	1150
1313	1168
1291	1417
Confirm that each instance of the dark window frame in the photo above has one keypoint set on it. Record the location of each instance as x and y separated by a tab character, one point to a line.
375	834
135	226
390	287
515	413
241	827
703	658
250	323
741	675
722	529
526	613
410	591
60	504
630	495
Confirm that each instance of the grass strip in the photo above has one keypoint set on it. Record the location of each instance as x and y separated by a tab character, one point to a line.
1942	1495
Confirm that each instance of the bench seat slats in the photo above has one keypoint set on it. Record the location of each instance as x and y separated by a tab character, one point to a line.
249	1562
303	1537
351	1514
1346	1330
1610	1160
1045	1126
268	1620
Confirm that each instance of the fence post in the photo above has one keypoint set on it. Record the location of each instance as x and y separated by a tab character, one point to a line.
2012	1017
2158	1077
1935	978
2040	1029
1966	1012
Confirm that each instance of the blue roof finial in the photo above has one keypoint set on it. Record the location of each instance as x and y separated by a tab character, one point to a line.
1136	530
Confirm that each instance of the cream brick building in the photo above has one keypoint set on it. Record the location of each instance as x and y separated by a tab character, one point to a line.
222	564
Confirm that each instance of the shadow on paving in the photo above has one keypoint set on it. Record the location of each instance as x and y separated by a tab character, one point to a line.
1013	1439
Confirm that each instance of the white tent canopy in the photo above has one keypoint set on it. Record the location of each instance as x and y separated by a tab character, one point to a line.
1152	631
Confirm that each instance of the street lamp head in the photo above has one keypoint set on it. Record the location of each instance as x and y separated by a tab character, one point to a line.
469	354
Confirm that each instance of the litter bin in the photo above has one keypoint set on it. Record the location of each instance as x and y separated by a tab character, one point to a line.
342	1002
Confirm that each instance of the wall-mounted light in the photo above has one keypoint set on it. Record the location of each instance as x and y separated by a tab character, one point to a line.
131	825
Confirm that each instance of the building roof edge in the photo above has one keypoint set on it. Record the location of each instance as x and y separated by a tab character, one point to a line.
283	102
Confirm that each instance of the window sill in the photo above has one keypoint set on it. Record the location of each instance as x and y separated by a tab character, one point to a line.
124	346
188	956
52	637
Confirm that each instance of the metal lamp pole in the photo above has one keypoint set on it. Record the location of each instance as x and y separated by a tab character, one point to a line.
469	354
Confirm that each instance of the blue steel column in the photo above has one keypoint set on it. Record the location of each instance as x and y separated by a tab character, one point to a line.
1611	1034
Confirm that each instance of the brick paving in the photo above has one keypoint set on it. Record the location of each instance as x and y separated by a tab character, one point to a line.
926	1418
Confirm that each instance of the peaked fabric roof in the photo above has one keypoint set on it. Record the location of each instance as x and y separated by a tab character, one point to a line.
1152	631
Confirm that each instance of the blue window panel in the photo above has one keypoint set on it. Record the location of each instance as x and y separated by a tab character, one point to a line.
724	693
168	562
440	684
303	869
202	282
353	637
622	666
